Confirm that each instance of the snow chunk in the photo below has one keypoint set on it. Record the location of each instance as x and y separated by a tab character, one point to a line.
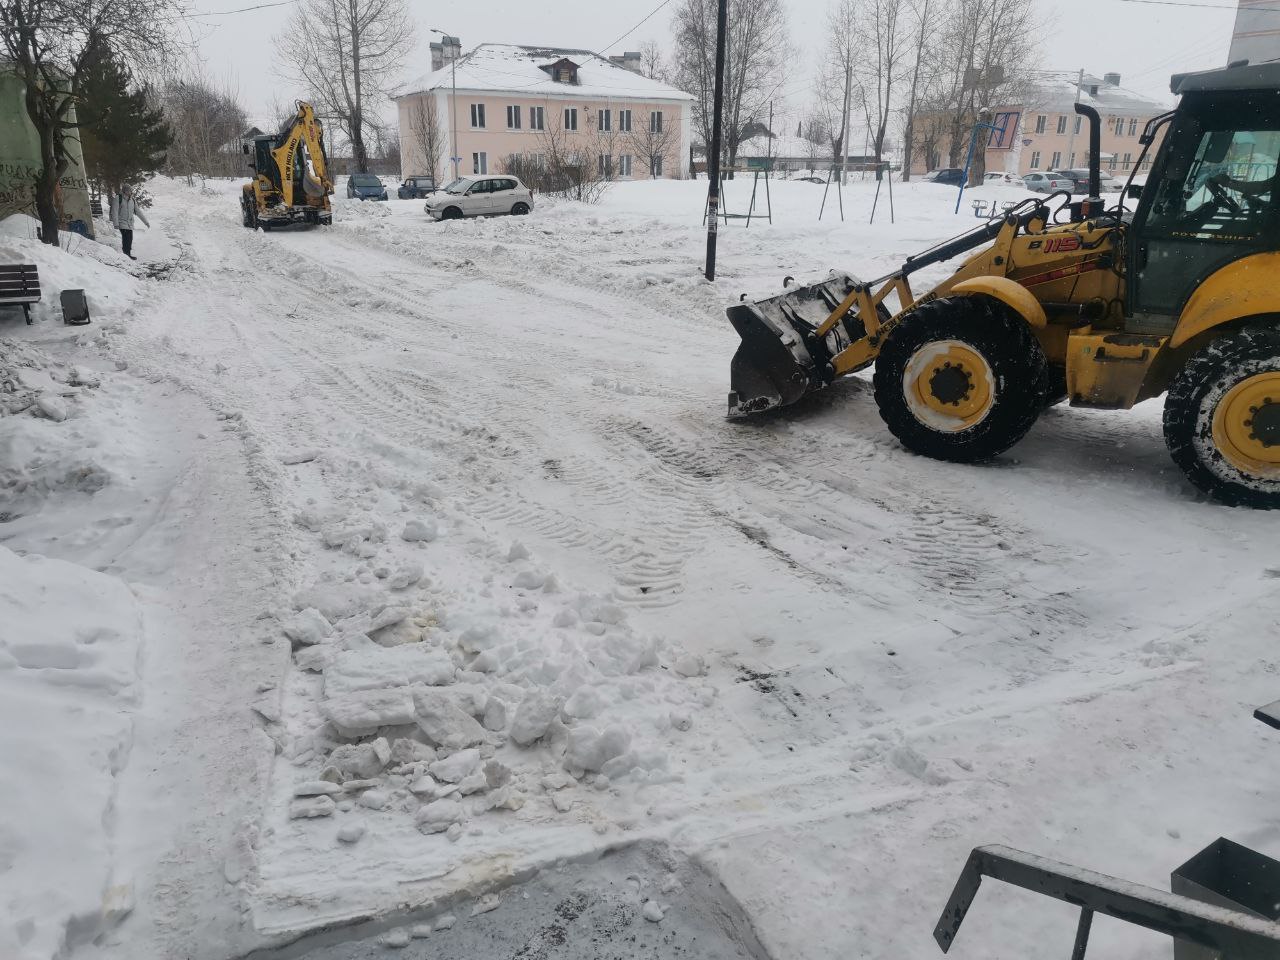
358	713
352	831
308	808
366	665
533	717
316	788
652	911
395	939
584	703
518	551
307	628
406	576
436	817
52	407
444	722
590	749
419	531
454	768
690	665
361	760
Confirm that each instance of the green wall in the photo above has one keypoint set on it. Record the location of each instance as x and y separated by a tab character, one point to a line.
20	160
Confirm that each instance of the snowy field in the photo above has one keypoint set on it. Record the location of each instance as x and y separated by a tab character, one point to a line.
361	572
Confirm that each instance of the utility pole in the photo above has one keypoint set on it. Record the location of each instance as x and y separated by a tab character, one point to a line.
844	119
1071	140
713	151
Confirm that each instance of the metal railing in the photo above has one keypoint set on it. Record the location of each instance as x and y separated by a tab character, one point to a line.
1236	935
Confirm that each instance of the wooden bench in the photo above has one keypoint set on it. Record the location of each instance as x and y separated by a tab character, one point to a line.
19	286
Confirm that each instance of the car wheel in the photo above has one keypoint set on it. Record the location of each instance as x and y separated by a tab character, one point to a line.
520	209
453	213
960	379
1222	418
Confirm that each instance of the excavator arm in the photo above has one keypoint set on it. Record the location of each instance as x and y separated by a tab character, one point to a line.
301	159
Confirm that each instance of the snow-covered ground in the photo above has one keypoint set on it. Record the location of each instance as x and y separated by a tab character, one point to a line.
388	562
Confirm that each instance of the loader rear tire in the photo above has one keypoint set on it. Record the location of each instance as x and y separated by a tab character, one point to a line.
1222	418
960	379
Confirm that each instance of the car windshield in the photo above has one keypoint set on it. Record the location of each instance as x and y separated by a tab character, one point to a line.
365	180
458	186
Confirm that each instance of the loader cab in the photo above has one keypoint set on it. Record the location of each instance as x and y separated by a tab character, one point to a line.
263	162
1213	195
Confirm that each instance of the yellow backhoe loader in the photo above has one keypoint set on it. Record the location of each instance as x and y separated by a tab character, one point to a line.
290	175
1101	307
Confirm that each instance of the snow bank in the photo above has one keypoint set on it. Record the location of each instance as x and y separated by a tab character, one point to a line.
68	657
111	281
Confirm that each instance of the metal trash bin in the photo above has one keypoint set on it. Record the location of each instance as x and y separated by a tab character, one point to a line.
1227	874
75	307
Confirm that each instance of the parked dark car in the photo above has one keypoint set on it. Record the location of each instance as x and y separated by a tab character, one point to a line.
365	186
415	188
947	176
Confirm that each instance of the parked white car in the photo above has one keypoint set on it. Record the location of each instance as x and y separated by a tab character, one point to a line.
1009	179
480	196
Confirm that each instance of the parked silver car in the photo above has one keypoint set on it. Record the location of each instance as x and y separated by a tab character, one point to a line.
1040	182
480	196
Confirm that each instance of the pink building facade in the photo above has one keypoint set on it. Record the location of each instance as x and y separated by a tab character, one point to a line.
527	102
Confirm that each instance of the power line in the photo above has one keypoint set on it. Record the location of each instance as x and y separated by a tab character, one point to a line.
228	13
650	16
1203	6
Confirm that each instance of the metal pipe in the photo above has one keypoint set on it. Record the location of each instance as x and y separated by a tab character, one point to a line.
1095	149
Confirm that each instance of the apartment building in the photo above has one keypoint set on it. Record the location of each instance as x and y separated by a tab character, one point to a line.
1043	131
499	101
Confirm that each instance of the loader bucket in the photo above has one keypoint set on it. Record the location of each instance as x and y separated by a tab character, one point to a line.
775	363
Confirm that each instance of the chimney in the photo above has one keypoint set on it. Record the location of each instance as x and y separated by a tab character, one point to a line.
628	61
1111	79
445	52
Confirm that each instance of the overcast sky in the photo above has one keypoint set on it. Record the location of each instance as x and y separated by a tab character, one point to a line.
1144	42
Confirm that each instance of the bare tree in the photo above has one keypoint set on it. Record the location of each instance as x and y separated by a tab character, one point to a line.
652	64
566	162
882	39
207	122
836	84
652	143
348	55
53	44
921	73
758	52
427	133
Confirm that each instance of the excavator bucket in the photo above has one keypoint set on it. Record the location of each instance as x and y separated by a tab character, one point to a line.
775	363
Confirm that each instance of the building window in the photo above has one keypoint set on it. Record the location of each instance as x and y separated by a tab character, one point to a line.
1078	121
624	121
479	163
605	121
1056	161
655	165
477	116
1040	122
537	120
655	121
1133	126
1119	126
513	118
571	118
624	161
1128	160
1071	164
605	161
1111	164
1035	160
1062	123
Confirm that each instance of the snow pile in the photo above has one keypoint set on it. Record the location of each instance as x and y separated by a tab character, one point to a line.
68	656
423	702
111	281
39	451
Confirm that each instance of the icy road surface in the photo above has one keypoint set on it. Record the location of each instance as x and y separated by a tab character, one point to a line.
492	583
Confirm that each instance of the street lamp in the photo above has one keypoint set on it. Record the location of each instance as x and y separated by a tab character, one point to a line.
453	109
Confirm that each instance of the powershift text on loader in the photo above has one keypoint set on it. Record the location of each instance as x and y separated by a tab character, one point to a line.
1104	308
290	175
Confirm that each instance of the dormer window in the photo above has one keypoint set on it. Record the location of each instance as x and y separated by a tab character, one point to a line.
563	70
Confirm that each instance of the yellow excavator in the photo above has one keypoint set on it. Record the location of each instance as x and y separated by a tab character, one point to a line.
1100	306
291	175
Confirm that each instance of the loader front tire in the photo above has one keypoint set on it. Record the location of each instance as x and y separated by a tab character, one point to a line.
960	379
1222	418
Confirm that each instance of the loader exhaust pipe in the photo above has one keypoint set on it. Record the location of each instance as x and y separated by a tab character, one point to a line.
1092	205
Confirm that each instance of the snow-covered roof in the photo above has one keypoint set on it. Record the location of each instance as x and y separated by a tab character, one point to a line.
508	68
1059	95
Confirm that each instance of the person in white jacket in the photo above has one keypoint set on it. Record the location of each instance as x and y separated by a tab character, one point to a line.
124	207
